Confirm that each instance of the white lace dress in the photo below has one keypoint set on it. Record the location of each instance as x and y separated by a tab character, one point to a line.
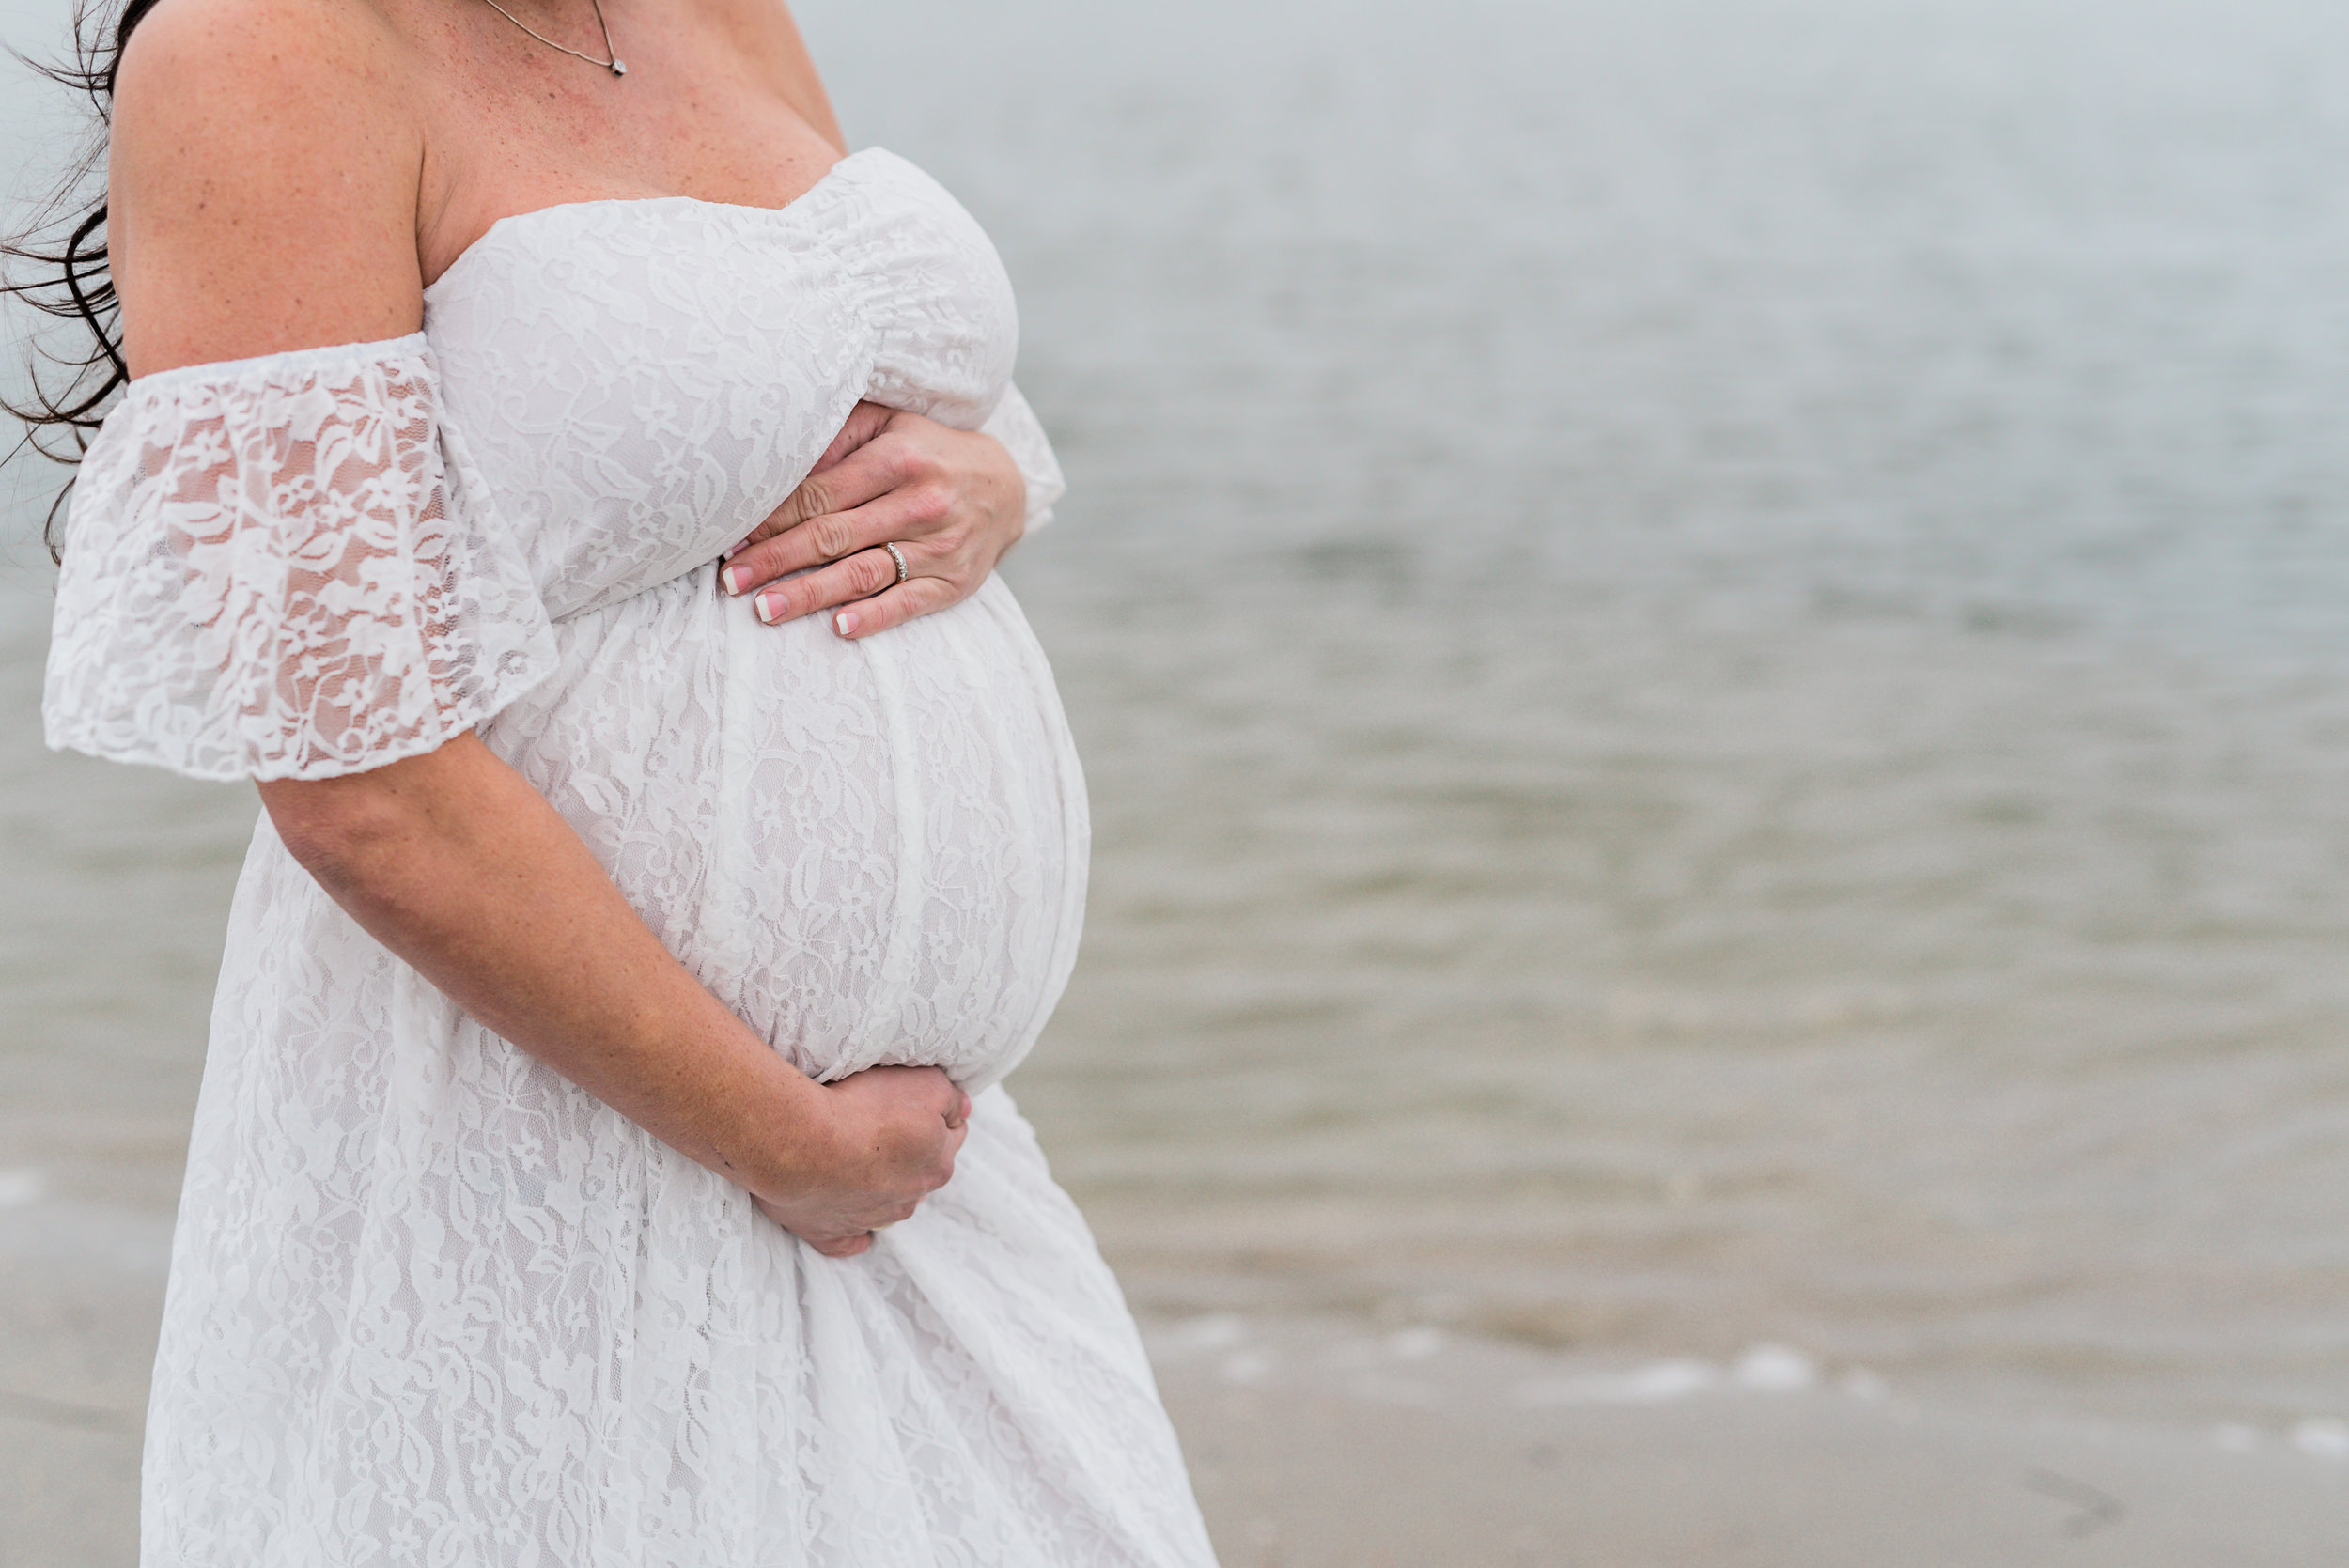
430	1303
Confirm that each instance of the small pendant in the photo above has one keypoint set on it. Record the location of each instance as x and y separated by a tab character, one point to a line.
618	70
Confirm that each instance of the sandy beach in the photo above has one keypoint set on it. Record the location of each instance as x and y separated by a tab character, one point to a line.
1324	1445
1411	1450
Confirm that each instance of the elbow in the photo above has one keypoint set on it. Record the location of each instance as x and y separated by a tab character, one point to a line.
343	831
383	843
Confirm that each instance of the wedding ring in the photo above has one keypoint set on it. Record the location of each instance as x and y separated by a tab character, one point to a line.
899	557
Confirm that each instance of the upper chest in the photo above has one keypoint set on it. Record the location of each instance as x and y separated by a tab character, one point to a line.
717	107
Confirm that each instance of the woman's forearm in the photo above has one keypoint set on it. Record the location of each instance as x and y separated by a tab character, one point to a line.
455	864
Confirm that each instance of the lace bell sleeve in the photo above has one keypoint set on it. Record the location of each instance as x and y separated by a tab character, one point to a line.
1014	425
286	567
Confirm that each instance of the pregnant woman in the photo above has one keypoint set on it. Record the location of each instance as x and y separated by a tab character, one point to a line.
600	1159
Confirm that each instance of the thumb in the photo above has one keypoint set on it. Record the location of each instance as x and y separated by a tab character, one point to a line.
865	421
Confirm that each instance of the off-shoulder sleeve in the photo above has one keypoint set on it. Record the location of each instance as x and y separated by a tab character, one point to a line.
285	568
1013	424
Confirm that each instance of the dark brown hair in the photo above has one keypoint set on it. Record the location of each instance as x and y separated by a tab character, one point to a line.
58	266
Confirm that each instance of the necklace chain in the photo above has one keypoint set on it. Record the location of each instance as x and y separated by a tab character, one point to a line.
611	61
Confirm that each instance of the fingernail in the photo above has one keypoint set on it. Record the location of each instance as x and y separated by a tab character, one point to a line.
732	580
844	623
730	555
769	607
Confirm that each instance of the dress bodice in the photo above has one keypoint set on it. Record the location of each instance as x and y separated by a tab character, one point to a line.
642	381
328	559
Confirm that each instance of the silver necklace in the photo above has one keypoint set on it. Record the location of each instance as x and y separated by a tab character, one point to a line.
611	61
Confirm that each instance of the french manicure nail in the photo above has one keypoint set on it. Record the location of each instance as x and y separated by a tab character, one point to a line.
769	606
731	580
844	623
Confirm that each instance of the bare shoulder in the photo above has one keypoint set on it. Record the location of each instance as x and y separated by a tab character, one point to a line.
262	179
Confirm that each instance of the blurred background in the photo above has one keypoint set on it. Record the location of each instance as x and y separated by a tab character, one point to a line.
1712	642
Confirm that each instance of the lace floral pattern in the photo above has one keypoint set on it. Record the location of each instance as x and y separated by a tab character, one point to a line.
1014	425
429	1302
274	574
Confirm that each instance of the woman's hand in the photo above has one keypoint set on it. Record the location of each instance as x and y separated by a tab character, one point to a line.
895	1133
951	500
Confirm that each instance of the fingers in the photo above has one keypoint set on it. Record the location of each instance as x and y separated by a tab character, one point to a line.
949	500
915	1120
865	472
953	1109
848	1244
825	488
865	590
915	596
920	509
861	576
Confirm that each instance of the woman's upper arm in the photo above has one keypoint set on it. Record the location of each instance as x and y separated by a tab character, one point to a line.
263	169
273	569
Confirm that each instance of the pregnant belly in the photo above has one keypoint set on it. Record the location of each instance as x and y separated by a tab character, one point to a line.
874	852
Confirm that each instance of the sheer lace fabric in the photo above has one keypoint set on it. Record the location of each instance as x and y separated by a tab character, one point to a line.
273	577
430	1303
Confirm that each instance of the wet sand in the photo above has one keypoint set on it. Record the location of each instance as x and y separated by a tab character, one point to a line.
1412	1451
1327	1445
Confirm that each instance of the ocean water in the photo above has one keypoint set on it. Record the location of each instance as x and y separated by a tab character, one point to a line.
1712	639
